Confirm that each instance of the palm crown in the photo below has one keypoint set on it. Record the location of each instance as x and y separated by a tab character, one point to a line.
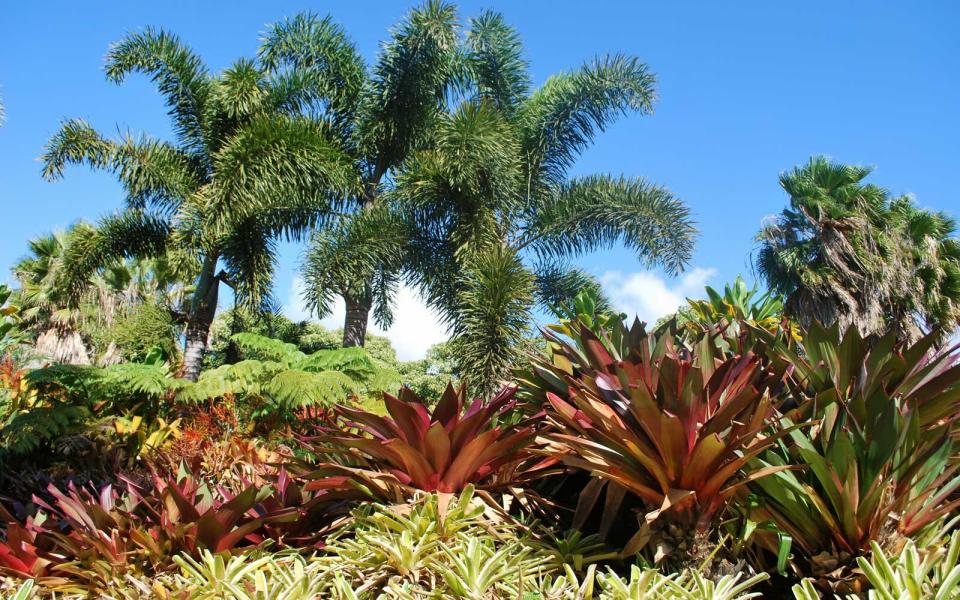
381	114
478	176
845	251
244	171
495	210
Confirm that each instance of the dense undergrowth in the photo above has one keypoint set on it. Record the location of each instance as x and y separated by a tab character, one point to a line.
710	461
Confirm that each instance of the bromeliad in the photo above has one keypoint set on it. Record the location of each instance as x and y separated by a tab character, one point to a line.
444	450
674	426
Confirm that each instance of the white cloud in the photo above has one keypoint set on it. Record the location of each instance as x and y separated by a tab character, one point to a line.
649	296
415	328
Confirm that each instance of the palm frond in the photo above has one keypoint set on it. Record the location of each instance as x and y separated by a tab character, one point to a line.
277	161
557	285
496	294
562	117
179	74
153	173
312	60
249	253
601	210
127	234
408	86
238	93
495	61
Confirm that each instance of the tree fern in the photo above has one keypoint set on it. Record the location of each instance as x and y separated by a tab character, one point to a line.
138	378
28	430
260	347
278	373
294	389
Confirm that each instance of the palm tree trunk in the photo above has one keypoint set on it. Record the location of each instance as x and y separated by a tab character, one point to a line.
202	311
355	322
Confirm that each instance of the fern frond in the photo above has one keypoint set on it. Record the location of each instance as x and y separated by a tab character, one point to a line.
294	389
260	347
29	430
137	378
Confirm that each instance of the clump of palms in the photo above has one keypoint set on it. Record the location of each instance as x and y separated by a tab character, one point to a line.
74	329
846	252
243	172
465	172
496	210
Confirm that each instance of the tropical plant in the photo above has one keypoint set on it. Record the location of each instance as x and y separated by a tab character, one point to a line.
93	535
914	574
932	243
484	181
445	450
675	427
877	466
737	304
441	545
145	329
494	190
285	379
845	252
244	172
8	320
286	576
69	399
76	330
380	114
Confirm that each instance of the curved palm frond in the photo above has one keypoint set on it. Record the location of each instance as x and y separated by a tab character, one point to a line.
179	74
408	85
600	210
238	93
127	234
562	117
311	59
249	254
276	161
495	62
153	173
557	285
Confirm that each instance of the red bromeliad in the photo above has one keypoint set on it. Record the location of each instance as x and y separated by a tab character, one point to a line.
443	450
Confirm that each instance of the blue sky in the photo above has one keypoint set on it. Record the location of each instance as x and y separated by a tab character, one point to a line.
747	90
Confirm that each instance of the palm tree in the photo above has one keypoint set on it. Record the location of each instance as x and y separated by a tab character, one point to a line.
934	251
63	328
495	211
379	114
845	252
244	172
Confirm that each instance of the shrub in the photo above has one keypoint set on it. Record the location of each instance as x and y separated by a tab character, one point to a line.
674	426
444	450
94	535
877	466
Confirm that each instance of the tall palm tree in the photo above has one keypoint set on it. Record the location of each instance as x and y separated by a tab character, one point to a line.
495	213
844	251
244	172
379	114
